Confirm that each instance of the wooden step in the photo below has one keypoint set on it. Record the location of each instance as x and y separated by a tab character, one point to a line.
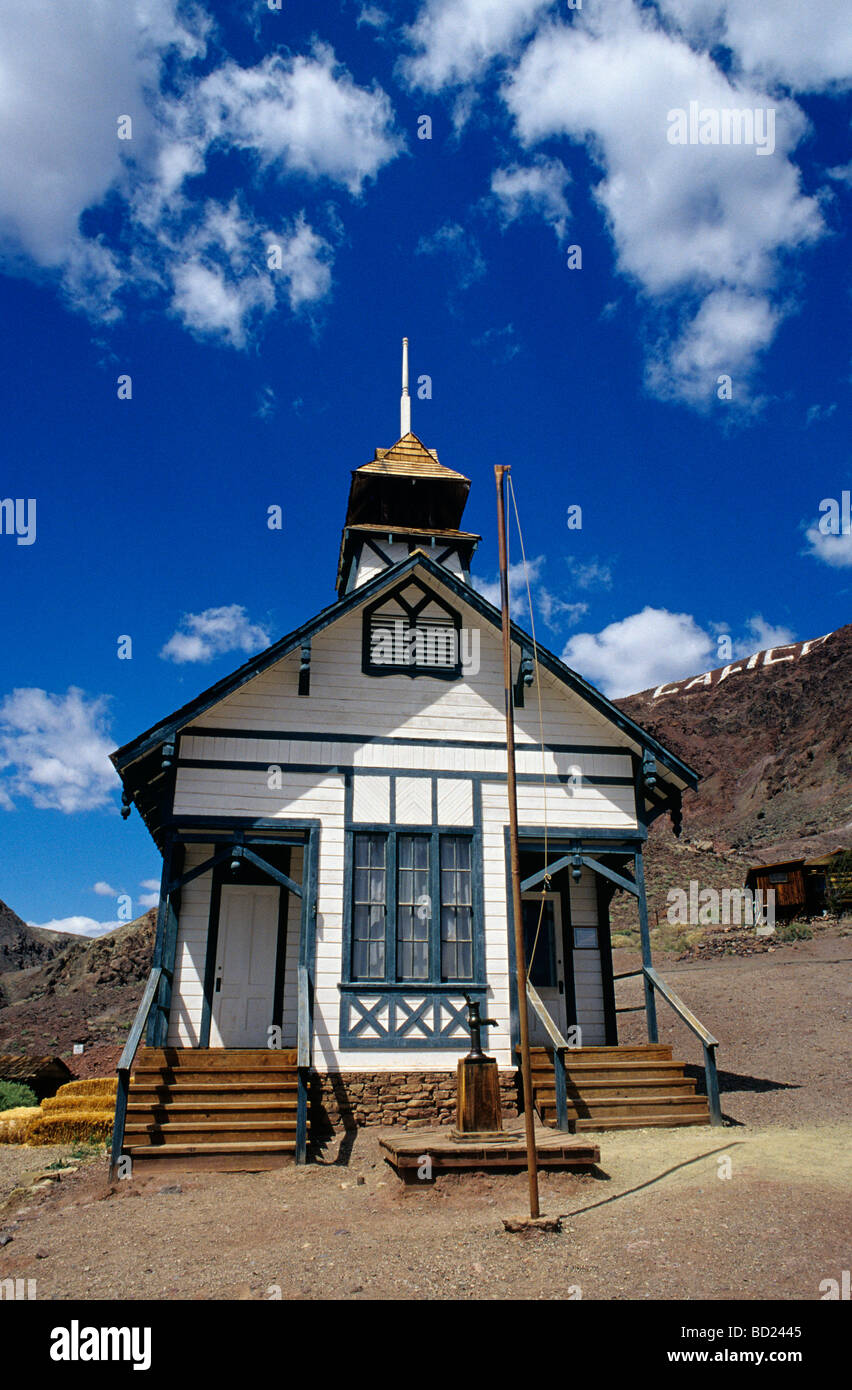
215	1058
661	1052
165	1076
610	1107
198	1114
668	1121
186	1150
595	1090
210	1132
617	1071
219	1092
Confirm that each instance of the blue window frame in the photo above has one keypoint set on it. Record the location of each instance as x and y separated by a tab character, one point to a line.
396	934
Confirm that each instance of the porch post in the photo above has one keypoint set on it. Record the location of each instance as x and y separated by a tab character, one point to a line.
645	938
165	946
305	989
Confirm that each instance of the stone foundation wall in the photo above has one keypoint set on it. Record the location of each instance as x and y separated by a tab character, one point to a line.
410	1099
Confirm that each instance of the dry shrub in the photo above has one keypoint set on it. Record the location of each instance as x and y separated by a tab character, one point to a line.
65	1126
14	1123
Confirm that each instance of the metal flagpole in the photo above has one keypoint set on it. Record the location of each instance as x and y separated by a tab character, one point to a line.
520	955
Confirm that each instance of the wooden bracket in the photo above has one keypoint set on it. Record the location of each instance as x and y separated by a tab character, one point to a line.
305	669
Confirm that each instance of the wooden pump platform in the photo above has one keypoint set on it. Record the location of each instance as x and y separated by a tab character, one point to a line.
409	1151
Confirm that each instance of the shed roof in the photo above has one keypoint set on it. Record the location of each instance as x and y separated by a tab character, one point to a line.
18	1066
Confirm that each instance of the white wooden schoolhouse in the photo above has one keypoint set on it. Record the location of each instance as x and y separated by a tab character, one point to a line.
333	824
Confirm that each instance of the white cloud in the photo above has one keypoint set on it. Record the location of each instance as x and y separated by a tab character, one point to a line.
536	189
762	635
212	304
78	926
805	46
656	646
555	611
835	551
699	229
373	17
65	78
151	896
820	412
104	890
454	40
463	251
215	631
301	115
517	577
590	574
304	264
54	750
642	650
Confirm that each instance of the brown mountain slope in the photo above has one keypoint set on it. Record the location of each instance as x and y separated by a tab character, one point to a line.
22	946
772	745
86	993
771	740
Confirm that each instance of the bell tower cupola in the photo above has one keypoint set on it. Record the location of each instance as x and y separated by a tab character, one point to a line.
404	500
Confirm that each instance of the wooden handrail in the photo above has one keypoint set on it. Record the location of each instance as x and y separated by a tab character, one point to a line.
560	1046
125	1062
708	1042
541	1012
679	1007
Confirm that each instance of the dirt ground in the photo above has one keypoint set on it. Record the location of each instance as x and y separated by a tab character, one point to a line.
759	1209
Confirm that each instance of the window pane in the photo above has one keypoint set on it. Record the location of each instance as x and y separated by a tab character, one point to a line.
456	910
369	916
413	907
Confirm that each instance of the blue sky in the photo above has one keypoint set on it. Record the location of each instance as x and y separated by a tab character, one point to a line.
256	384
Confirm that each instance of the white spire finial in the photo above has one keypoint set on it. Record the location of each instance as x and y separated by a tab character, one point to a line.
405	399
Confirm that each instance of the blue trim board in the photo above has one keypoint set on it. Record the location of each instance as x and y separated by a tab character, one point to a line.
492	745
552	779
167	728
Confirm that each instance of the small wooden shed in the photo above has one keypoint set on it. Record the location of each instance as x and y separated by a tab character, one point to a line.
786	880
43	1075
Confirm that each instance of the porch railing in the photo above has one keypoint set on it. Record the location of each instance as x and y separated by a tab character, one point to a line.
560	1046
125	1062
708	1042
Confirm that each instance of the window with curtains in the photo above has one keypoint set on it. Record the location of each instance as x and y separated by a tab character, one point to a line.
412	907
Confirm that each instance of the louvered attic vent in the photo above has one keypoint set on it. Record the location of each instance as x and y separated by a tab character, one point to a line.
411	632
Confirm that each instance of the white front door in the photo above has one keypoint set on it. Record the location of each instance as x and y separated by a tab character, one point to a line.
545	962
244	984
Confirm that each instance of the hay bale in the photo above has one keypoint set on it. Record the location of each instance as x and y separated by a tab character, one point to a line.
94	1086
66	1126
102	1102
14	1123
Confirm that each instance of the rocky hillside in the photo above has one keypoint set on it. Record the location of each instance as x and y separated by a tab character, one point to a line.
770	737
22	946
87	992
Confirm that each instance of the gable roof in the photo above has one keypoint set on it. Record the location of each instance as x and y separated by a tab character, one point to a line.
164	731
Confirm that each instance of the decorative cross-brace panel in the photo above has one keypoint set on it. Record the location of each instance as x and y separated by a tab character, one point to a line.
377	1018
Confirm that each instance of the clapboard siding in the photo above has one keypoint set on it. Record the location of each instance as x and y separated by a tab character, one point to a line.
188	987
343	698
